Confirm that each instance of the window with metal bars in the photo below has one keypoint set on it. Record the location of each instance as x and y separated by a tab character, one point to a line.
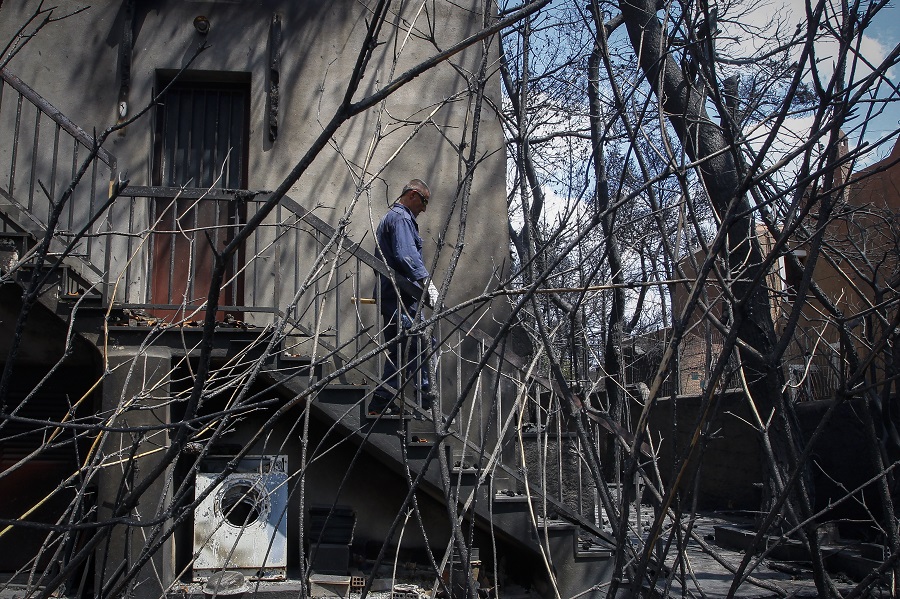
201	135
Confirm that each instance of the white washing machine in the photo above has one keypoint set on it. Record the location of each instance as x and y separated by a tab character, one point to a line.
241	525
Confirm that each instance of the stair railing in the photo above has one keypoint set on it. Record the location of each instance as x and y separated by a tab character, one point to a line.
40	152
340	304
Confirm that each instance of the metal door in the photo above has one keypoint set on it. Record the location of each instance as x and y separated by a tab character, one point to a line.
200	143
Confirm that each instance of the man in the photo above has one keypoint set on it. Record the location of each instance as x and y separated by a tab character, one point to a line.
398	243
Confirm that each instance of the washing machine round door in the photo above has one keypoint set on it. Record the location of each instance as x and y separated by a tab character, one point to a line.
242	503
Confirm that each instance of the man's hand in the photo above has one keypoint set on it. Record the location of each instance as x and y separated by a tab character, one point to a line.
433	294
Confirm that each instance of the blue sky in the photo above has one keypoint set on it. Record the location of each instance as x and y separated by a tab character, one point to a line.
886	31
878	40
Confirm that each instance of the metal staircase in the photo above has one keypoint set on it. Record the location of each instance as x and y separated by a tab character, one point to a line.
486	446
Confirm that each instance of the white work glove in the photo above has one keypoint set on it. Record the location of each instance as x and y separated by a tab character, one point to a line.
432	294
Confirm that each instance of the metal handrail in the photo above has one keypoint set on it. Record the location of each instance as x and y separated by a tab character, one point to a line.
58	117
45	150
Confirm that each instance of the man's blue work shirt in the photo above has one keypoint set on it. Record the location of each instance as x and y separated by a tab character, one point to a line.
399	245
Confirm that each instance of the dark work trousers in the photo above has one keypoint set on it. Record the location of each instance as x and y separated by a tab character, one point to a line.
403	351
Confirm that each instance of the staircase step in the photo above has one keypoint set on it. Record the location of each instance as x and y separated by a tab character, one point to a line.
577	571
589	548
341	394
381	418
300	365
425	438
83	298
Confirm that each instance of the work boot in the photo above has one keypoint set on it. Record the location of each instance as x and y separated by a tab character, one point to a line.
428	399
383	406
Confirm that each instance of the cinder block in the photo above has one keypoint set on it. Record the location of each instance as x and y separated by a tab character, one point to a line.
330	559
405	591
327	585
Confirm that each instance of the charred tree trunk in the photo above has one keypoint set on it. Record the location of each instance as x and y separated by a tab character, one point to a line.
683	102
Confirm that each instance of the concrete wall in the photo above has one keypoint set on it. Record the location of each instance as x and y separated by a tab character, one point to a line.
370	158
130	377
730	464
